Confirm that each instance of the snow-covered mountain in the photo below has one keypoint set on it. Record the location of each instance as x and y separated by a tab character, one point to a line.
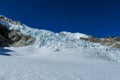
45	38
59	41
45	55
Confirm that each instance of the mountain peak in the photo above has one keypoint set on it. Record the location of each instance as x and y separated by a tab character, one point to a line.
8	20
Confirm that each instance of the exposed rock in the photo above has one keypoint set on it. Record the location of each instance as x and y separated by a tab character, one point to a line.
3	18
24	41
109	41
117	38
14	38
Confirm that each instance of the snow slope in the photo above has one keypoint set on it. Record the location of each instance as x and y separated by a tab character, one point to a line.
77	64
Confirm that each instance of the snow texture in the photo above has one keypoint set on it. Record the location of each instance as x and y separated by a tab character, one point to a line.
31	63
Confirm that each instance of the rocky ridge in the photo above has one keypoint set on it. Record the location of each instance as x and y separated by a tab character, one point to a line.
108	41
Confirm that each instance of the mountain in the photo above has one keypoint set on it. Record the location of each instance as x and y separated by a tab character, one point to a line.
46	38
14	33
37	54
113	42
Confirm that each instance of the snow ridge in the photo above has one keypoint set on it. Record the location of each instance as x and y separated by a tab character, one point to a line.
46	38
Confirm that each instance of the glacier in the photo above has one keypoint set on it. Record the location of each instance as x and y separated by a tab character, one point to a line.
57	56
60	41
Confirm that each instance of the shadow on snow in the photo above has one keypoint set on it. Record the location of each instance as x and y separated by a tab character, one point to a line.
5	52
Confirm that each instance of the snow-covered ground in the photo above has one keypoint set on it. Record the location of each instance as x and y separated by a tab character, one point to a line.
31	63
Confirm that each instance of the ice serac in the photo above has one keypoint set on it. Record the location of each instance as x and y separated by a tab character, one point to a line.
60	41
46	38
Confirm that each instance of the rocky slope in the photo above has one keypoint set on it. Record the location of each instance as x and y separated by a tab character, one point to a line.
108	41
13	37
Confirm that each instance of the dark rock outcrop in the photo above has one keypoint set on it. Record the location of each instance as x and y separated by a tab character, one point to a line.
14	38
4	38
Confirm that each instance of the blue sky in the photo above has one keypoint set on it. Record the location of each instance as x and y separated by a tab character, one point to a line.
100	18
